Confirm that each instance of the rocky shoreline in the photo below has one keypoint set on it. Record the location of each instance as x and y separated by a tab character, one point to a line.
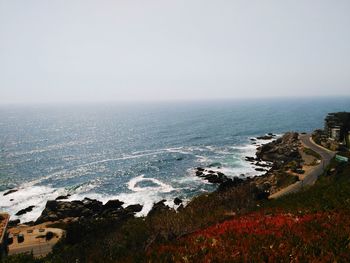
274	158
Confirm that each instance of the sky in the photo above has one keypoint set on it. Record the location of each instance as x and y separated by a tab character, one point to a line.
154	50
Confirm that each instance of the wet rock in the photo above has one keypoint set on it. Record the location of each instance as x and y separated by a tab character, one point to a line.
133	208
113	204
62	197
10	192
199	173
216	164
177	201
212	176
260	170
262	164
265	137
24	211
250	159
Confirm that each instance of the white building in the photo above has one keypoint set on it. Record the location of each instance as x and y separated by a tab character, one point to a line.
335	133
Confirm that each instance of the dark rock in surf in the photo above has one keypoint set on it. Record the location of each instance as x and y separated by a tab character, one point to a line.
10	192
133	208
24	211
265	137
260	170
250	159
113	204
199	173
177	201
62	197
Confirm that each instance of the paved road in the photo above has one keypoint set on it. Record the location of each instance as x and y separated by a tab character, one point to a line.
311	177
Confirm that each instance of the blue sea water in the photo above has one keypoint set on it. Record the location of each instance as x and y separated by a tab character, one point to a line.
137	152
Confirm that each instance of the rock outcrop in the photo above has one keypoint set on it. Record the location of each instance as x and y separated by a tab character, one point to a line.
284	155
211	176
86	209
158	208
280	151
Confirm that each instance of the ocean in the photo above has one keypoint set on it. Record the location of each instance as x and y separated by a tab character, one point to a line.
137	152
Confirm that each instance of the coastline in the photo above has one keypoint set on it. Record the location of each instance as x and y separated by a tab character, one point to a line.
51	193
234	199
264	169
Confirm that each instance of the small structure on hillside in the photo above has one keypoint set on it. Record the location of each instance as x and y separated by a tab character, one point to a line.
337	127
38	240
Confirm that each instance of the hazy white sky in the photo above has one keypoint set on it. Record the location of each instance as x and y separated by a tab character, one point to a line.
81	50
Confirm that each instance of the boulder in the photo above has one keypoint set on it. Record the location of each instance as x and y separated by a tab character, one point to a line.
159	207
177	201
113	204
133	208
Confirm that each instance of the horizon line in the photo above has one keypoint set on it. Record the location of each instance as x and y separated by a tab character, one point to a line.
192	100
